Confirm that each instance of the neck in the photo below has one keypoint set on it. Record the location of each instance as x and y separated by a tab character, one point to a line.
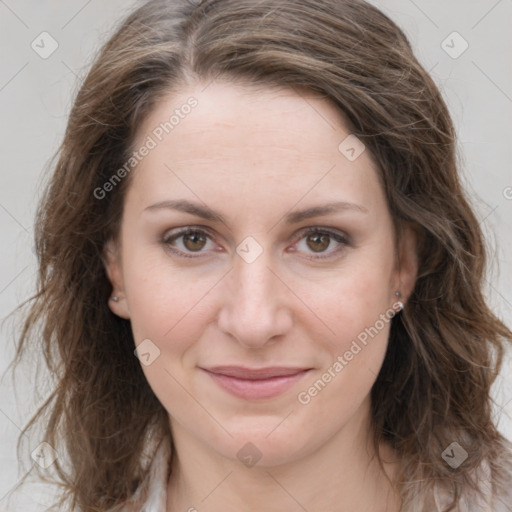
343	474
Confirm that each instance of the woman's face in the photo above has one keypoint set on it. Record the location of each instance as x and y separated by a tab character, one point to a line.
252	171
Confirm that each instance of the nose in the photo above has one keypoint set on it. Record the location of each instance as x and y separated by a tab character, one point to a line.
255	311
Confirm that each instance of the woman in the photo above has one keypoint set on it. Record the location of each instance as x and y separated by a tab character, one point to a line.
260	201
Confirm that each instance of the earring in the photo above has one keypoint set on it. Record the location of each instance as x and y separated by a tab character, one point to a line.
115	298
399	303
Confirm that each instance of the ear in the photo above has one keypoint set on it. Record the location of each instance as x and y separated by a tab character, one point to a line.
114	271
407	260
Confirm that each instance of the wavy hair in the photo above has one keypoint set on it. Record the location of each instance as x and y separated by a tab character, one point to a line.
445	349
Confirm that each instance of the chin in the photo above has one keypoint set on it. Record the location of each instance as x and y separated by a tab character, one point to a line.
267	442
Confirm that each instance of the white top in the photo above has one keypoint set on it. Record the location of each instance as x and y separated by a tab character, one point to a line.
152	495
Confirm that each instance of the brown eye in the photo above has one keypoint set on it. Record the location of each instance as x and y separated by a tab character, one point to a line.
190	241
325	243
319	241
194	241
187	241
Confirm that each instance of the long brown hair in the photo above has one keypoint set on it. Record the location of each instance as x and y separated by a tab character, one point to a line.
445	349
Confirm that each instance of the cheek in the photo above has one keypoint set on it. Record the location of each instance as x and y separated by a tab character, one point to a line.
353	357
358	345
165	307
170	308
355	300
161	297
358	312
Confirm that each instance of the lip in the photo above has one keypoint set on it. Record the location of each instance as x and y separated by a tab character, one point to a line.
255	383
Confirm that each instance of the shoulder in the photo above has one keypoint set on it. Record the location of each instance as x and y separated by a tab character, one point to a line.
495	488
494	494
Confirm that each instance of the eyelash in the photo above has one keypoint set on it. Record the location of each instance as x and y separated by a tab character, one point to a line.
342	239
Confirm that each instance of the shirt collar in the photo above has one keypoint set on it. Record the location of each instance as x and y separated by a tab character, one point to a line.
151	496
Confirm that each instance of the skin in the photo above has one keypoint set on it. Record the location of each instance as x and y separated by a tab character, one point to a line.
254	155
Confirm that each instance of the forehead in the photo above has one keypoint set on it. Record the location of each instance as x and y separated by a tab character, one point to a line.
261	143
228	115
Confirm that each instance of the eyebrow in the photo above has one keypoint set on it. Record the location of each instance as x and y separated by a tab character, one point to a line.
294	217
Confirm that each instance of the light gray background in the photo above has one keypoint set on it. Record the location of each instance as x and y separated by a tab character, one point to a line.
36	94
